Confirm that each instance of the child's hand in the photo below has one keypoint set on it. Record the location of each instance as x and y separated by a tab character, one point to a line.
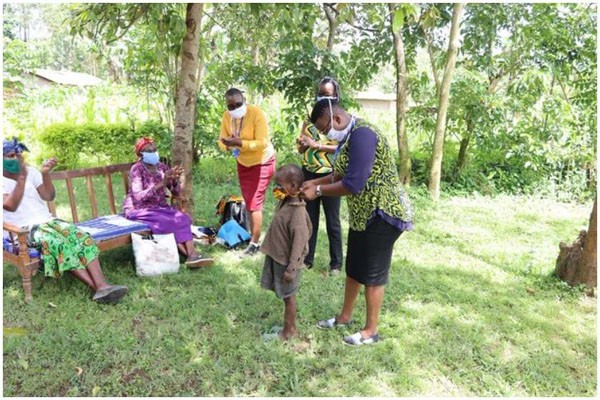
288	275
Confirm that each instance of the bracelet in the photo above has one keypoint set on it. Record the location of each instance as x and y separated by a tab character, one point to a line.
320	146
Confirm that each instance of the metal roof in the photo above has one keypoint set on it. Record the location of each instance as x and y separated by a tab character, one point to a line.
68	77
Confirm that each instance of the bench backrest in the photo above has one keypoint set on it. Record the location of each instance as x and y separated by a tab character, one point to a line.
88	174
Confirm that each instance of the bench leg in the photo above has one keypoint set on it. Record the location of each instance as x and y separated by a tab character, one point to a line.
26	272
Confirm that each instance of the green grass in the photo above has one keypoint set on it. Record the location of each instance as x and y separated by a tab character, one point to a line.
471	310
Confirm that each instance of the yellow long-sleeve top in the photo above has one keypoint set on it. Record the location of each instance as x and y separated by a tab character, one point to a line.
256	145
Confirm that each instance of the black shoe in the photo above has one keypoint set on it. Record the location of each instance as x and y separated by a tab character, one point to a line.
110	295
199	261
251	250
308	265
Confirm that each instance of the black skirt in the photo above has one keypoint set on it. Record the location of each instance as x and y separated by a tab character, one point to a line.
369	253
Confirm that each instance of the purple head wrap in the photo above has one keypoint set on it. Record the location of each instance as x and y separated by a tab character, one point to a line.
13	146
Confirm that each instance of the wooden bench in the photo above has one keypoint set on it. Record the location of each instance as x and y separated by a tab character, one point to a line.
28	266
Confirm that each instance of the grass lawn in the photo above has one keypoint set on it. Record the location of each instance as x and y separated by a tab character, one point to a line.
471	310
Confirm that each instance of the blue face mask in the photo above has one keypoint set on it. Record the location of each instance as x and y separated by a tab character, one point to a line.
150	158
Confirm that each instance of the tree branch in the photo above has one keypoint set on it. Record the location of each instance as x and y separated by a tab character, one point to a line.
138	13
364	29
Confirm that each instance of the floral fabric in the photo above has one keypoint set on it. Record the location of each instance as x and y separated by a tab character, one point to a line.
64	247
382	191
142	194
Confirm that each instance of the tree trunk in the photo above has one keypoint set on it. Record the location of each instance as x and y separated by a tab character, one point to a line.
401	94
440	126
464	145
436	79
185	104
462	154
576	264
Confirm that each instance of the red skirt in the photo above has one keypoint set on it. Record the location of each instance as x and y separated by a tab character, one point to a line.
254	181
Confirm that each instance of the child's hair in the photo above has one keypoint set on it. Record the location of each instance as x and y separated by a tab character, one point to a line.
335	84
290	173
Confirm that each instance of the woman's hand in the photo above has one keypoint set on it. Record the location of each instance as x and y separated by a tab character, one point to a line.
23	170
232	142
176	171
306	141
170	175
301	147
48	165
309	190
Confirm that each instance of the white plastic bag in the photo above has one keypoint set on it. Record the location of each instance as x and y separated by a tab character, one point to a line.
155	254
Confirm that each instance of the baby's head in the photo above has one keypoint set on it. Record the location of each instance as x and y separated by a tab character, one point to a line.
290	178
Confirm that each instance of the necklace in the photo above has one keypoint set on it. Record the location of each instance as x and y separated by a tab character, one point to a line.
236	132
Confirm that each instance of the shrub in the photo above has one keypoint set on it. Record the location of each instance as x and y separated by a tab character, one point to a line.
83	145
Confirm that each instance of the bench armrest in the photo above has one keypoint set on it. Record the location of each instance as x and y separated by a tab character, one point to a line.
22	234
14	229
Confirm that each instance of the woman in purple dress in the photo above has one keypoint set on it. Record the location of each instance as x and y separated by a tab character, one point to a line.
146	200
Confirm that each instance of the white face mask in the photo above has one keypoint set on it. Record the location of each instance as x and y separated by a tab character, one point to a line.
238	112
333	133
319	98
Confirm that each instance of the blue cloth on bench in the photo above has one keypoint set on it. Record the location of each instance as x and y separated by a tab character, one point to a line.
110	226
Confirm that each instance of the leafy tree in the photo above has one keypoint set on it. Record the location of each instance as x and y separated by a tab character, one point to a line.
444	94
129	32
397	14
112	22
185	104
521	116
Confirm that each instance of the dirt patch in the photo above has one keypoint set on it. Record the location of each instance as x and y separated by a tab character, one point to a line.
127	378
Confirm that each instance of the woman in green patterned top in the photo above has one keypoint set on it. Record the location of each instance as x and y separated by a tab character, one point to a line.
379	208
317	161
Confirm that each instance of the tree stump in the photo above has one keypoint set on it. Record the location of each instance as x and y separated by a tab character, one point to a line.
577	264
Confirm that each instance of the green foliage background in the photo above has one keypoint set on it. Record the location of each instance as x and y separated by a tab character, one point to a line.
92	144
522	103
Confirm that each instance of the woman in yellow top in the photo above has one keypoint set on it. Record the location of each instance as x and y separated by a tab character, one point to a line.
244	132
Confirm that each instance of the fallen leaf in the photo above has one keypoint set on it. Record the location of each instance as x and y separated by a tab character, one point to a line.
52	304
15	331
530	290
22	363
79	371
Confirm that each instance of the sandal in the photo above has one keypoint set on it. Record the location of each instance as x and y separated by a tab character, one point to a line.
199	261
358	340
332	323
111	294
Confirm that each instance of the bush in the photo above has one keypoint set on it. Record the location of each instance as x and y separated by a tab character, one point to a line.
84	145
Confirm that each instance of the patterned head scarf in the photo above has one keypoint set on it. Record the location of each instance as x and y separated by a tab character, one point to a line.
13	146
141	143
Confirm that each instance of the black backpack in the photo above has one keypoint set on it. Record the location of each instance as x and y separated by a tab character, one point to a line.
233	207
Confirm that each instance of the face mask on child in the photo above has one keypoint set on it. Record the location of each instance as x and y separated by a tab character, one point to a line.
279	192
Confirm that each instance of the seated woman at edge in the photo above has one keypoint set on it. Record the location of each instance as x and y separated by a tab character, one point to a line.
146	200
64	247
